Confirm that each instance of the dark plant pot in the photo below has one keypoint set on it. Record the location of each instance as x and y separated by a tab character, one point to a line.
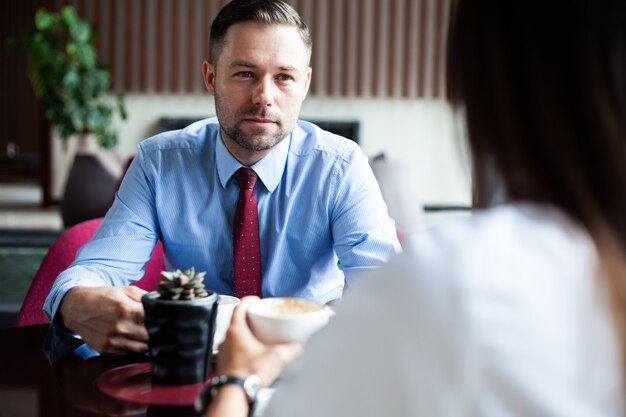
89	190
181	338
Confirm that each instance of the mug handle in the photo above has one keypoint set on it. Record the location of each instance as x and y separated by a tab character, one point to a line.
209	354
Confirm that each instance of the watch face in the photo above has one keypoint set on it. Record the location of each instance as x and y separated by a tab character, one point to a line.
251	386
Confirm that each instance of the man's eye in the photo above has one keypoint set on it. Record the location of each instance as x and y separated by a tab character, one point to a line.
284	77
244	74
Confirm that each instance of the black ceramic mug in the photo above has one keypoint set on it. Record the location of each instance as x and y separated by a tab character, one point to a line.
181	338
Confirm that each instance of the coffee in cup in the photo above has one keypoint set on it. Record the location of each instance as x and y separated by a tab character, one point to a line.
286	319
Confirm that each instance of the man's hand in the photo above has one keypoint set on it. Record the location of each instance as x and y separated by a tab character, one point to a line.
109	319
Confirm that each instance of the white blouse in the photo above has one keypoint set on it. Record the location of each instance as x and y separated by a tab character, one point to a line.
502	313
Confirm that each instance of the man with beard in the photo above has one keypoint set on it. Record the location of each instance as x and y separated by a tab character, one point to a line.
267	205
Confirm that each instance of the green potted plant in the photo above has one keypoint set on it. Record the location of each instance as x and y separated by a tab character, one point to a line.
73	87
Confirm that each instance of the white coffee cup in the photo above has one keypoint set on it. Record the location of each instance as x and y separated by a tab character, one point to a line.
225	306
286	319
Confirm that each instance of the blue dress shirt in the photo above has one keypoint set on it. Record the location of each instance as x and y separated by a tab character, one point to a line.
321	215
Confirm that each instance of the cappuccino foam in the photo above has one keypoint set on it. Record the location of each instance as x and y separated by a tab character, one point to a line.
293	306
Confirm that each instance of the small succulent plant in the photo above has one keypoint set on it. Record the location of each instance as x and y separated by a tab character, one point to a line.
179	285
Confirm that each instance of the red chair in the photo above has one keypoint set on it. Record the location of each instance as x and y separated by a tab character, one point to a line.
60	256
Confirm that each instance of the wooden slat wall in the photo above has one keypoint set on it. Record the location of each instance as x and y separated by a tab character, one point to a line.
362	48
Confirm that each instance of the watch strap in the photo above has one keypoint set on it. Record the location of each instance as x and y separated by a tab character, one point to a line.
219	381
250	386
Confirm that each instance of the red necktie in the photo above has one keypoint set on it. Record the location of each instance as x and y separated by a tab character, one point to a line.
246	248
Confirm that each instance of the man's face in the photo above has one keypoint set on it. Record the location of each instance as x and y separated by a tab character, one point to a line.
259	82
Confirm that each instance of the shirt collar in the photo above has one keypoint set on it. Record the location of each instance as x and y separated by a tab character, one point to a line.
269	169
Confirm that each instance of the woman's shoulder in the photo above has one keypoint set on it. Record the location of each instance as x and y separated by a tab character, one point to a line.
507	233
526	252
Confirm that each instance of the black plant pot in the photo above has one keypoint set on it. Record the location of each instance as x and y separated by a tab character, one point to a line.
89	190
181	338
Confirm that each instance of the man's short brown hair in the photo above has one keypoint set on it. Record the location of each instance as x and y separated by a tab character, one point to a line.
265	12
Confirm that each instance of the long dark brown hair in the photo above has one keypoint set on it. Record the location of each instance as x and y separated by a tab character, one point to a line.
543	86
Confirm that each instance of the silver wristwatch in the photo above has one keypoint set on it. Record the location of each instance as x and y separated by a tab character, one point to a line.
251	386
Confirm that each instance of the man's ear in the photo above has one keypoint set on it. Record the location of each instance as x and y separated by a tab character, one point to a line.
208	73
308	81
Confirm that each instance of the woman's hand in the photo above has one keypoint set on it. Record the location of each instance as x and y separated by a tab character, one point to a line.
242	354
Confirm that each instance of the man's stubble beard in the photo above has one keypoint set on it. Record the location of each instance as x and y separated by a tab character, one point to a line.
248	142
236	134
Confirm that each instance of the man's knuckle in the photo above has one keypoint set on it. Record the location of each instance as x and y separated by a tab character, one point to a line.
123	311
117	329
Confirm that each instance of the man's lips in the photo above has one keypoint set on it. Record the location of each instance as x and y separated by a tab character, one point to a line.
259	120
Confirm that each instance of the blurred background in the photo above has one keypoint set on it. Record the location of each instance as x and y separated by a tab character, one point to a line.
378	78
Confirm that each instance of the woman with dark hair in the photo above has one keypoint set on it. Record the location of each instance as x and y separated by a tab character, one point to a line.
519	309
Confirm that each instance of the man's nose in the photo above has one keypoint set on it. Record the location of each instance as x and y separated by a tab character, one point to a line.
263	93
